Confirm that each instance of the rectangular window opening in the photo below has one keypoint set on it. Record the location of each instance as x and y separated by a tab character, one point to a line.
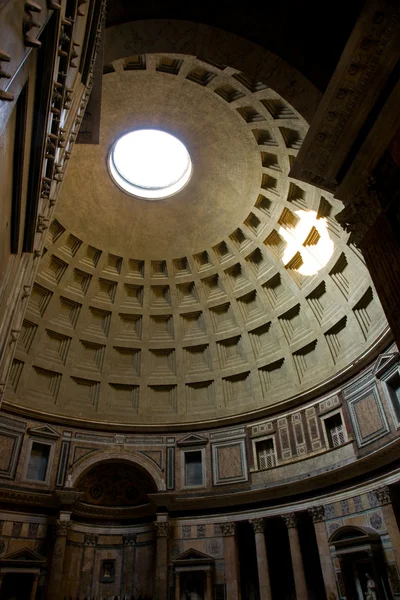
266	454
38	462
193	468
335	431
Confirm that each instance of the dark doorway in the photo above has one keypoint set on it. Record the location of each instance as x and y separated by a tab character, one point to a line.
247	561
16	586
279	560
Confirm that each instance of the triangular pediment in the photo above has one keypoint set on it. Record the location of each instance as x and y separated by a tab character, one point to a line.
25	555
44	431
193	555
384	362
193	440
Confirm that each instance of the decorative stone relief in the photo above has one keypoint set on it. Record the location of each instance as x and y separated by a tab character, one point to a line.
290	519
317	513
163	528
228	529
61	528
258	525
90	539
383	495
130	539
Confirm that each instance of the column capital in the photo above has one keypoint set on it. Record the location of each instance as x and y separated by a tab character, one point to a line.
290	519
163	528
317	513
130	539
61	528
90	539
258	524
228	529
383	495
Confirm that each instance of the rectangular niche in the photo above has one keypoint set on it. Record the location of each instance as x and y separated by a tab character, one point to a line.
39	300
270	184
28	331
231	353
337	339
203	261
54	270
71	246
55	347
197	360
192	325
84	393
278	109
187	294
44	384
181	267
276	291
276	244
297	196
273	376
263	340
223	318
305	360
126	362
239	239
91	357
91	257
200	397
237	388
364	312
98	322
264	137
293	325
163	399
135	268
67	313
250	114
213	288
222	252
161	328
113	265
162	363
123	398
129	327
236	277
55	231
159	269
132	296
105	291
79	283
160	296
321	304
15	373
258	263
251	307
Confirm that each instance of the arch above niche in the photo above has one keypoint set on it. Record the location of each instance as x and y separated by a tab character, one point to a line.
172	36
133	458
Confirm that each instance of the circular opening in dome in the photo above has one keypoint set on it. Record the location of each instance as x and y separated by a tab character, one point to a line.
150	164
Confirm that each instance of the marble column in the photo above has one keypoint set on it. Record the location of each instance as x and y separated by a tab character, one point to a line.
209	586
87	570
56	589
262	560
34	586
384	499
297	561
128	566
177	587
161	575
232	576
318	513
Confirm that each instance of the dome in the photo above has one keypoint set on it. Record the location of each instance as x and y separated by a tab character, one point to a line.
236	295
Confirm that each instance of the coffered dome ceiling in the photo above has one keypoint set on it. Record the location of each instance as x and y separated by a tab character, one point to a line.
236	295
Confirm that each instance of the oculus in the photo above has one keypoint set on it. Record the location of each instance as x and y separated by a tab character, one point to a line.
150	164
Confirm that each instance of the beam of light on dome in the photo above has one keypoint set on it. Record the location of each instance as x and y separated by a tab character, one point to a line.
150	163
315	250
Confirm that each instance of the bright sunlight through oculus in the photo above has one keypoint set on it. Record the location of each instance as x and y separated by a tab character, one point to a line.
149	163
